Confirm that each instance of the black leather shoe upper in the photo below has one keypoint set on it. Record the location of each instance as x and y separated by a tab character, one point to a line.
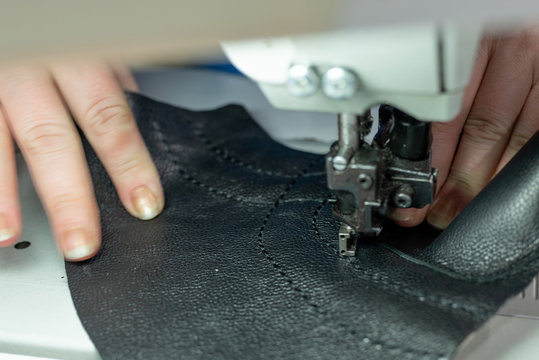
243	262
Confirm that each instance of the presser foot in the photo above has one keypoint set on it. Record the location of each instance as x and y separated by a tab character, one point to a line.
347	240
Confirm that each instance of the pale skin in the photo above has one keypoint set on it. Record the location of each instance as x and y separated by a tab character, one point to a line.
500	112
34	111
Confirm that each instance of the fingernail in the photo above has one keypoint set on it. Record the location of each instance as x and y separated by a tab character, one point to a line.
442	213
145	203
6	230
401	215
77	245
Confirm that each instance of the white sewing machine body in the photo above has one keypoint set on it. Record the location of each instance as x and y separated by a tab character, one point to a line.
421	69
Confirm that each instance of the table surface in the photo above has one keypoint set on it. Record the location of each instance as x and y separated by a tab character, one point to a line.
38	319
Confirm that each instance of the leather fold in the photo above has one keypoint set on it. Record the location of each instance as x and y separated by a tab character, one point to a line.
497	234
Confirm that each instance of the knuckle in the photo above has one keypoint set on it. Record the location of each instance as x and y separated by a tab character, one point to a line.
518	140
465	182
45	137
526	40
67	202
106	115
485	128
126	168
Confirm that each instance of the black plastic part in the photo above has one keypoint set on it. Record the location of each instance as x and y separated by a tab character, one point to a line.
385	122
410	138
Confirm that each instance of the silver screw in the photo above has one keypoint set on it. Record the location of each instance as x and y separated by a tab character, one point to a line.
365	181
339	83
302	80
403	197
339	163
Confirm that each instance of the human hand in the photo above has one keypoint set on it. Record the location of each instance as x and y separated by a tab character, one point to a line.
35	107
499	114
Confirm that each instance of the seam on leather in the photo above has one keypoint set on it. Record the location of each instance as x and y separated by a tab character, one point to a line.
387	283
225	154
366	340
260	235
315	217
188	177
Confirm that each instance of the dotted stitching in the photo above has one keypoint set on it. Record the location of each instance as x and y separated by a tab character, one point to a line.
378	345
225	154
387	282
262	247
315	219
189	177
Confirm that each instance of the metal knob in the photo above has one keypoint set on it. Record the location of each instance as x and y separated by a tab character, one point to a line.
339	83
302	80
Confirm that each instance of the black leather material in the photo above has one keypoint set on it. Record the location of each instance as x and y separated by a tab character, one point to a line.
243	262
505	211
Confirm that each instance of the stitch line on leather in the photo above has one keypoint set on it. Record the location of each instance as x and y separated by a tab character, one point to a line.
367	341
315	226
260	236
225	154
389	284
315	215
188	177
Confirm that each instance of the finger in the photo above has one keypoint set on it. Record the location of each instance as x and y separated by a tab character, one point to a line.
51	146
445	136
497	105
101	110
125	76
527	125
10	214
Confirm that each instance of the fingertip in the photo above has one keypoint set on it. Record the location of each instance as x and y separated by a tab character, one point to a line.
78	244
145	202
442	213
9	230
408	217
8	240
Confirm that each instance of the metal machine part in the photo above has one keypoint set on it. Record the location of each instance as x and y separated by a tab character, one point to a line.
371	180
421	70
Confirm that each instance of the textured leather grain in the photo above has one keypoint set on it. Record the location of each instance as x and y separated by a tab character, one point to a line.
505	211
243	262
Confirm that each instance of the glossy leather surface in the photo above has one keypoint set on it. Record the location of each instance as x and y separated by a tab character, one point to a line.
243	262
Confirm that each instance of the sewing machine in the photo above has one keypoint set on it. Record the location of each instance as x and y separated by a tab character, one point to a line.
414	74
343	58
419	69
